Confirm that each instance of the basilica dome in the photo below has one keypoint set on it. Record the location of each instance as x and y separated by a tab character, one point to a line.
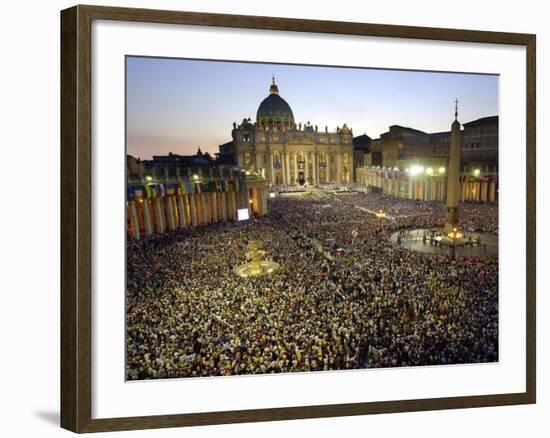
274	109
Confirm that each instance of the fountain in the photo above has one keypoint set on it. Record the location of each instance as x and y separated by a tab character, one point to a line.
256	266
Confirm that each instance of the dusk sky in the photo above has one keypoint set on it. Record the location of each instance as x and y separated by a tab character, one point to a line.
176	105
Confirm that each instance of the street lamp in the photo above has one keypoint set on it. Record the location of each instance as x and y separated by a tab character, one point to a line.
454	235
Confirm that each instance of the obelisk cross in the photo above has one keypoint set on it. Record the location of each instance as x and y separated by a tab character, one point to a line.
456	109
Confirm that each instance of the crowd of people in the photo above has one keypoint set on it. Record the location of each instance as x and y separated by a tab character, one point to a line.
346	297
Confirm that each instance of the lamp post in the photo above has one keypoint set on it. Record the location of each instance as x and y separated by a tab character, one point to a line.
454	235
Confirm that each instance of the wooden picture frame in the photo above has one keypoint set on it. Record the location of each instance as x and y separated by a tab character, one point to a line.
76	222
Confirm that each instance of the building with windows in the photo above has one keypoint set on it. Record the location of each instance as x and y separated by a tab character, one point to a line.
286	152
400	146
412	164
361	153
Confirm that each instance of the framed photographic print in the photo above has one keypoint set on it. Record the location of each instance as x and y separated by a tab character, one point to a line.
268	219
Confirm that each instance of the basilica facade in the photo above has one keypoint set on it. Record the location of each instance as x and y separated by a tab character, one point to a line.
287	153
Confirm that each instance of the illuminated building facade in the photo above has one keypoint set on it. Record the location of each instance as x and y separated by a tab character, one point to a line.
286	153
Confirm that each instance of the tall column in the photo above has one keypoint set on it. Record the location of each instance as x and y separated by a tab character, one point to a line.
258	161
295	169
338	168
203	219
134	222
453	178
181	212
214	205
306	166
192	209
224	205
492	191
233	205
287	168
170	213
316	168
159	216
247	198
271	176
207	207
428	189
147	217
283	168
263	201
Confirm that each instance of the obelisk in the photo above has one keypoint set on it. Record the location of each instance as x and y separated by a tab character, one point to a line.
453	176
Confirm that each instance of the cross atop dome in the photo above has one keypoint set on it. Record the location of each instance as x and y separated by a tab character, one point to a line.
273	89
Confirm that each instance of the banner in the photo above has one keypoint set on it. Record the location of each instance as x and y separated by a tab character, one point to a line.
209	186
170	189
161	191
130	193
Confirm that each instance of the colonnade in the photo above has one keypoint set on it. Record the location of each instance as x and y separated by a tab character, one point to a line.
285	167
155	211
428	187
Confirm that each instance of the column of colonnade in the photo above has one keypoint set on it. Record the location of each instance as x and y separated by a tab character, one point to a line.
182	212
170	213
134	220
159	216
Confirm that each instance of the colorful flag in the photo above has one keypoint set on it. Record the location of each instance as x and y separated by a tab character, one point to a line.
161	191
149	190
188	187
209	186
130	193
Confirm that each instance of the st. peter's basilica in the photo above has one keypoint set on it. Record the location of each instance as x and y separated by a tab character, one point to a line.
287	153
